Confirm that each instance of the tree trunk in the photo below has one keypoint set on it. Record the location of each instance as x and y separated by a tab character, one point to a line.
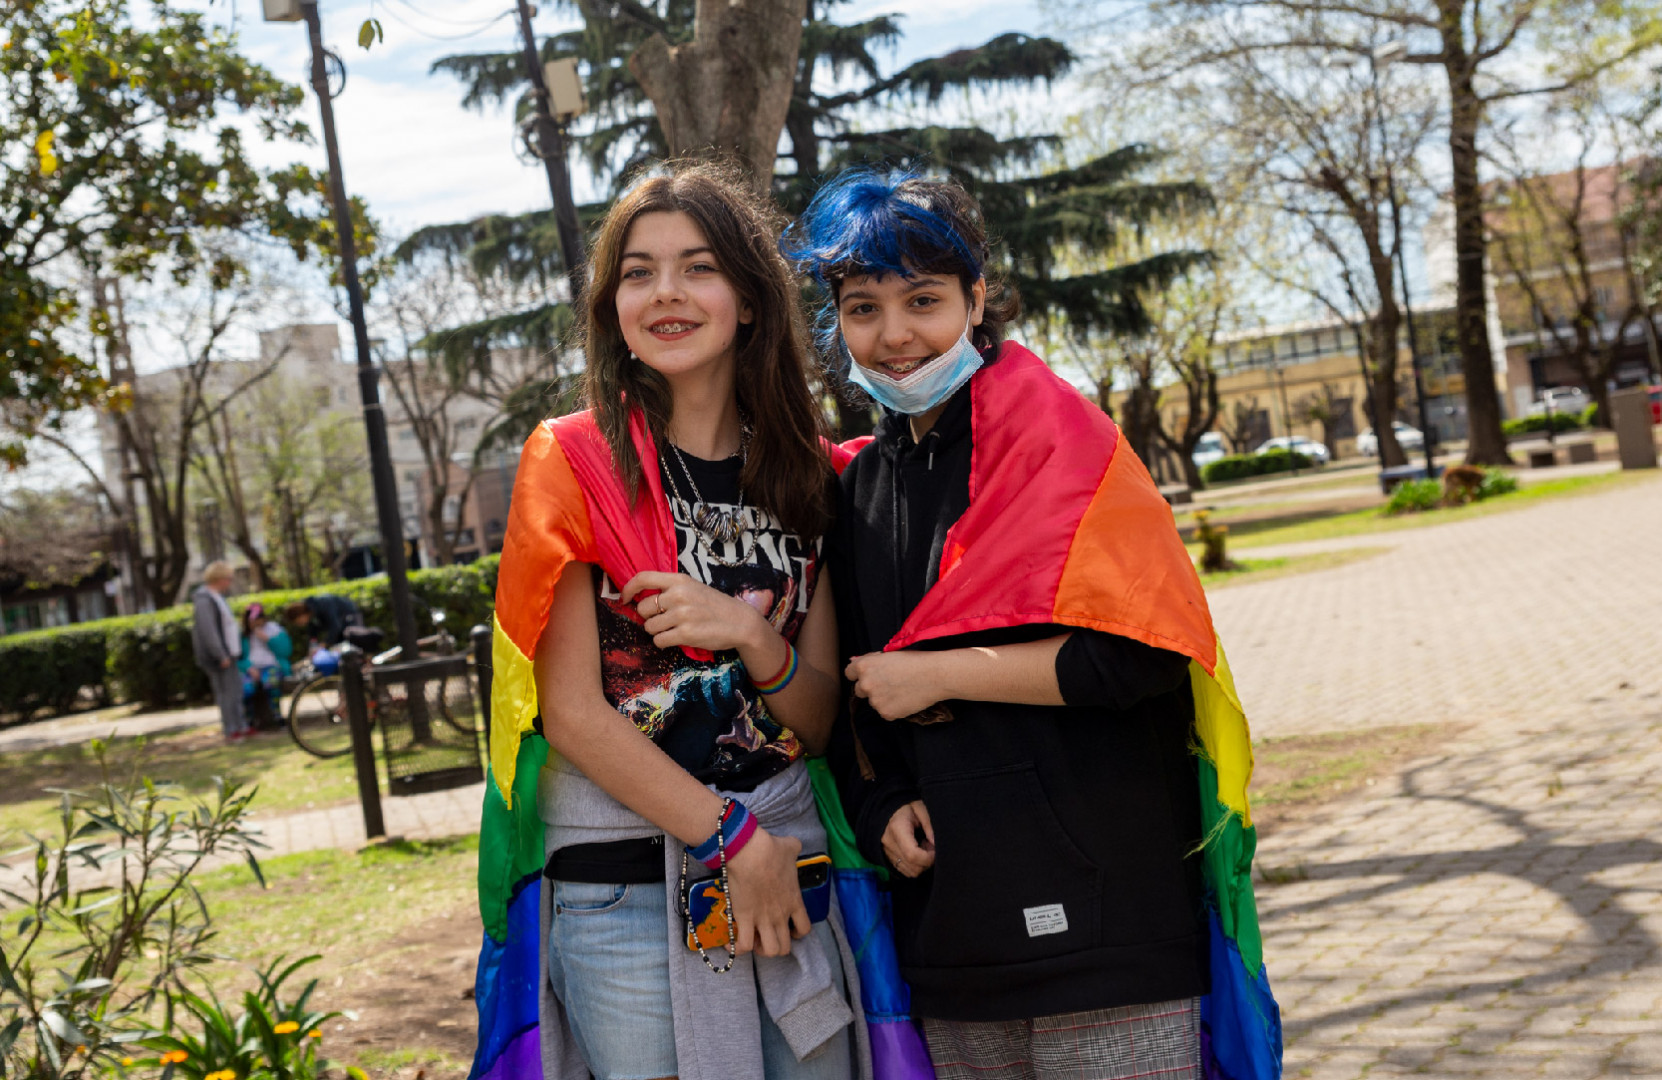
1486	445
1385	327
729	89
1200	387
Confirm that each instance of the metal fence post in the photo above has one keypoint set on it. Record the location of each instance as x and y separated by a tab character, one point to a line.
363	749
481	636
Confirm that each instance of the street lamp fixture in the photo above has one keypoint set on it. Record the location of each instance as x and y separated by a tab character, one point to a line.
565	89
557	96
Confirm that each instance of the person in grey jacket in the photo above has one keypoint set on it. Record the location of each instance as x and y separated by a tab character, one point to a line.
217	643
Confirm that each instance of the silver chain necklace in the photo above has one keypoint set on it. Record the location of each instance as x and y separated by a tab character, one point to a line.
730	528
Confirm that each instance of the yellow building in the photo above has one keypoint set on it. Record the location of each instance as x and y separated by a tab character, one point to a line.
1280	380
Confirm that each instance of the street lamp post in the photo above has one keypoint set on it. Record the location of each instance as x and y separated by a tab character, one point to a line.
550	146
1383	56
375	418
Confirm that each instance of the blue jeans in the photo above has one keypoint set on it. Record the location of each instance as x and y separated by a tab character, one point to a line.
608	960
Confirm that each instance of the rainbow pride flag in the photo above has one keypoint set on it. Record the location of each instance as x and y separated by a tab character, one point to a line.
1066	526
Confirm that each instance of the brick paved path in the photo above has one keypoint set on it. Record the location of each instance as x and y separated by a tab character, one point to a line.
1497	910
1523	615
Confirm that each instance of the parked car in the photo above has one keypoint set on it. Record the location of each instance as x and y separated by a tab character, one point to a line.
1408	437
1655	403
1310	448
1564	400
1209	449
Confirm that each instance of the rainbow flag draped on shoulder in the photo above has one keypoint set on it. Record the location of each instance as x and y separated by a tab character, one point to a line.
1104	555
1066	526
569	506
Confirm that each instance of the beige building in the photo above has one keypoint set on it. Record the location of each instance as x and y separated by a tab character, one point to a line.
1280	380
307	359
1558	253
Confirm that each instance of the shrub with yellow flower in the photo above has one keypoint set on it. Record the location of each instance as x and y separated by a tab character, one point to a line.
174	1057
287	1027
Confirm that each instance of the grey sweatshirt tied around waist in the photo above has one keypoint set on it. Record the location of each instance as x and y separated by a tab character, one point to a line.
717	1018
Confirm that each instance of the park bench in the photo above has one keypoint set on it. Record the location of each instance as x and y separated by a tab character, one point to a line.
1389	478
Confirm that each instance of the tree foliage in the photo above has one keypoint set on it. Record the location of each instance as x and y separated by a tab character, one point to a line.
122	122
1040	206
1484	53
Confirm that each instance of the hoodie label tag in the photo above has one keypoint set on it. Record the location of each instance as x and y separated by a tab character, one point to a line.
1049	919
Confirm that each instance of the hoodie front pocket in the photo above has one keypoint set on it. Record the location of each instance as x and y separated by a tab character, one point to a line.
1009	885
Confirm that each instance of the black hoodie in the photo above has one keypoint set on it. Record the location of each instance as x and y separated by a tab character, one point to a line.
1066	875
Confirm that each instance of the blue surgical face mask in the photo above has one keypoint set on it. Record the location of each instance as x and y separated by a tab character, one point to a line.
925	388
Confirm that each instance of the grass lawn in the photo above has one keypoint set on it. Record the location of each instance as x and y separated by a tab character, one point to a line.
1358	522
289	778
1295	771
1252	570
397	928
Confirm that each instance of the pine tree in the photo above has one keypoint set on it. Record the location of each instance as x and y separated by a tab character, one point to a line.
1049	217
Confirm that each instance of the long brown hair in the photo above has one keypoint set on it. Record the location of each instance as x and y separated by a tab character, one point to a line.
786	470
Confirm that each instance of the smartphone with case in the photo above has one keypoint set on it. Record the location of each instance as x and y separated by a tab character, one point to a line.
706	904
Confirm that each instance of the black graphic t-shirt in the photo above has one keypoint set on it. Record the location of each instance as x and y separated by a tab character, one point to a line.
707	715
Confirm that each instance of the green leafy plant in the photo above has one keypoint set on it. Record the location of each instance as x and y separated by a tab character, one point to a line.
1240	466
1415	496
49	669
1528	425
1496	482
147	658
105	920
269	1039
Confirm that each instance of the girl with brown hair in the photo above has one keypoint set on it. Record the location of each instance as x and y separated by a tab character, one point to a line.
662	576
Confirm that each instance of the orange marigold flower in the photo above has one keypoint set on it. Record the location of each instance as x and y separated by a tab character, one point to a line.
174	1057
286	1027
314	1034
126	1061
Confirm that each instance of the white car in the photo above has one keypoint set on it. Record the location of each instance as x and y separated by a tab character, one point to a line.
1310	448
1210	448
1564	400
1409	438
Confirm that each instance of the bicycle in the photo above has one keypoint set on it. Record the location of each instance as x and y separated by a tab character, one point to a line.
317	719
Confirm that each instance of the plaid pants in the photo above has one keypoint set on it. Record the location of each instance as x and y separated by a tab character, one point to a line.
1160	1040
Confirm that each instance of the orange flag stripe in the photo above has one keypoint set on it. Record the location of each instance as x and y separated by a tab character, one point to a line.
1127	571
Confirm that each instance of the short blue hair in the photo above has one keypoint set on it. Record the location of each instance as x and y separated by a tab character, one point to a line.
867	222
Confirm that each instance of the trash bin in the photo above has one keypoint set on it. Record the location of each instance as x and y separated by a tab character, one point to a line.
1630	416
430	723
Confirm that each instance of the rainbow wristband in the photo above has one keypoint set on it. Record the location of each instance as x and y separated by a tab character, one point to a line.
782	678
738	825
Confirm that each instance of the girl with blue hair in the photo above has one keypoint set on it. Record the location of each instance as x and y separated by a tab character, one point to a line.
1020	621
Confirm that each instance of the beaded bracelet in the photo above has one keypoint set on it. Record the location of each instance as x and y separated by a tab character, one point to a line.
781	678
736	828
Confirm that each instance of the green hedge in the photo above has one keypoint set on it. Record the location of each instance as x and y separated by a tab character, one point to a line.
1528	425
48	669
148	658
1240	466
